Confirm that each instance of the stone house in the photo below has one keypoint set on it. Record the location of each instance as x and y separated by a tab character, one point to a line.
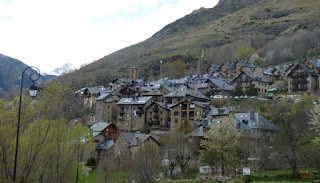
242	65
213	69
302	78
184	93
158	116
186	113
90	95
218	86
128	144
246	78
227	70
131	113
106	108
156	95
104	130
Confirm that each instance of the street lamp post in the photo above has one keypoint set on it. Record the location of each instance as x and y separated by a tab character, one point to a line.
33	92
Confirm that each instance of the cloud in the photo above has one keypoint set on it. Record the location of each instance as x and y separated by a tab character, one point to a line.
49	33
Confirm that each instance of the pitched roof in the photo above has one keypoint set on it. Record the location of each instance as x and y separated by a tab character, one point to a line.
217	111
253	120
197	132
98	127
246	63
104	96
254	77
215	67
134	101
135	139
105	145
155	92
222	84
184	90
306	68
228	65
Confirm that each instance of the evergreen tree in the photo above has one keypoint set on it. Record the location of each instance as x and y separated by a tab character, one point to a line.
238	90
252	90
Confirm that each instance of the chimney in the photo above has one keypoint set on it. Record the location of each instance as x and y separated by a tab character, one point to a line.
252	115
137	140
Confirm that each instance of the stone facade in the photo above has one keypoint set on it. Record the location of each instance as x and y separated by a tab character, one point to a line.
158	116
185	113
131	113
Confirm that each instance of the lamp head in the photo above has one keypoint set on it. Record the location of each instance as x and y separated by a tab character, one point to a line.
33	91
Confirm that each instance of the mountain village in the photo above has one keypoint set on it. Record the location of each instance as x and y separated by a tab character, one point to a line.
131	113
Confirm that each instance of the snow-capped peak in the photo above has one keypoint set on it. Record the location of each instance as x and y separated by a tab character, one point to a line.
66	68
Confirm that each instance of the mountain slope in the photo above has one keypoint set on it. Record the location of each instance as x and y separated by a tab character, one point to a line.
11	71
279	30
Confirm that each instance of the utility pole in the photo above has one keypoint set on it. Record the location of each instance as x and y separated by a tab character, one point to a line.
198	68
160	69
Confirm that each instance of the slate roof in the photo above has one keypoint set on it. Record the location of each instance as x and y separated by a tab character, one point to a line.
316	63
222	84
135	139
306	68
253	120
98	127
104	96
215	67
96	90
163	105
229	65
155	92
310	71
217	111
200	104
197	132
105	145
184	90
246	63
254	77
134	101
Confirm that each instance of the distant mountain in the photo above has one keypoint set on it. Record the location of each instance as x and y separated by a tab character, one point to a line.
65	69
279	31
10	74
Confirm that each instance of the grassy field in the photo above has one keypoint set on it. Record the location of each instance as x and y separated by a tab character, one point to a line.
264	176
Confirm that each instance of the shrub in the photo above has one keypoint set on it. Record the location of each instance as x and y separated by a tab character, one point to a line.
91	162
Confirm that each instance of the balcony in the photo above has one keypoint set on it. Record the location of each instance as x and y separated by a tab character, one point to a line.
155	115
299	80
155	109
302	88
299	75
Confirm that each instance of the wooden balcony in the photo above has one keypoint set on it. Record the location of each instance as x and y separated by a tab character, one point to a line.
299	80
300	75
302	88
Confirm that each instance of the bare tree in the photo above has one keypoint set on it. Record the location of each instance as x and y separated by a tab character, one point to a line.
106	165
180	150
292	119
145	163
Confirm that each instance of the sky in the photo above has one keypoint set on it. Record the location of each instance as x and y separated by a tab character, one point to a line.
49	33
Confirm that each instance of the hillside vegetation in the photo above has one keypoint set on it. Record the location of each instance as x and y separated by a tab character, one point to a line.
278	30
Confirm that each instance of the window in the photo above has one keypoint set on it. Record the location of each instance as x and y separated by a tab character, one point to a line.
192	106
184	114
191	114
176	113
176	120
198	113
184	106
